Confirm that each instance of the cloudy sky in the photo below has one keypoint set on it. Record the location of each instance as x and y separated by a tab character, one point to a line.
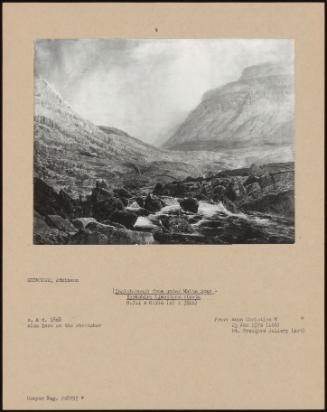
145	87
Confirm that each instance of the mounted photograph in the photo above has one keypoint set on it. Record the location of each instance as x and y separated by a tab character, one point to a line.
163	141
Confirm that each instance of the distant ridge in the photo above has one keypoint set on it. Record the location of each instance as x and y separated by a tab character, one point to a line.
254	111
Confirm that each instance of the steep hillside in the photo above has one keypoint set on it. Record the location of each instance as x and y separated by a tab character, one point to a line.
251	115
71	153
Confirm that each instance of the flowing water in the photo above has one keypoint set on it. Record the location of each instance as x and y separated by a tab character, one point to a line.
214	224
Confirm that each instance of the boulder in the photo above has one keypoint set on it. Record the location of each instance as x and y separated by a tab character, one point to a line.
143	223
171	209
100	195
133	204
48	202
189	204
82	222
235	190
281	204
139	211
124	217
153	203
105	234
60	223
122	193
105	209
239	230
45	198
88	237
94	226
43	234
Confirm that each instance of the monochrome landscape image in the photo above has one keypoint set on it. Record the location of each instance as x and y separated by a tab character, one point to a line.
155	141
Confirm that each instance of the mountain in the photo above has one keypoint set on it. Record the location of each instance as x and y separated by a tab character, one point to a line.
71	153
98	185
253	115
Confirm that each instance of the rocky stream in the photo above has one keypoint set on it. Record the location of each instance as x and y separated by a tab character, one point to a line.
249	205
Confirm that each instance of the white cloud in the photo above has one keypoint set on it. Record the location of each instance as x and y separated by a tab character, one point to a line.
141	86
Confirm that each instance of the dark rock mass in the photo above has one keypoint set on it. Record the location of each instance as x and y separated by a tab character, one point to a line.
105	208
153	203
189	204
48	202
124	217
